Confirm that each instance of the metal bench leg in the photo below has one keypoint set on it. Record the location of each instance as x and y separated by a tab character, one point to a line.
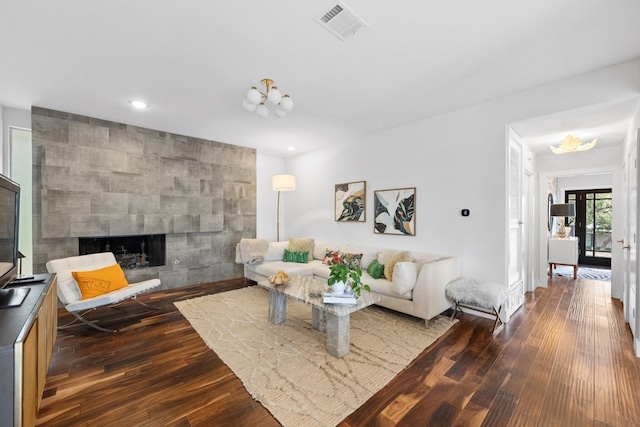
456	308
498	323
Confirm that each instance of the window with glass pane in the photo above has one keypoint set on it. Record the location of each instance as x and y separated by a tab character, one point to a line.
571	199
601	217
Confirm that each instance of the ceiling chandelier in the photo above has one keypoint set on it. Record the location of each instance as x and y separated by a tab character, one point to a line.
255	100
571	144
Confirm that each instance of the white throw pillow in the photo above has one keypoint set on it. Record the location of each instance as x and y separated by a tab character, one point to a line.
405	274
320	249
275	251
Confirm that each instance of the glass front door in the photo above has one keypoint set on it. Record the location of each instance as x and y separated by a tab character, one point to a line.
592	225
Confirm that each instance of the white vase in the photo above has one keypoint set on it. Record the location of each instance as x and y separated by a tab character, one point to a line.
338	287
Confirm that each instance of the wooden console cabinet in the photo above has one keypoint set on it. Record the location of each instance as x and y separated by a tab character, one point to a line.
27	337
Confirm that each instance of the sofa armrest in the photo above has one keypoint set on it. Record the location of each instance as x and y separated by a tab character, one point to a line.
429	298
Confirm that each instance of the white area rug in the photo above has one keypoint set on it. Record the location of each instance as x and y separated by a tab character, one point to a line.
286	367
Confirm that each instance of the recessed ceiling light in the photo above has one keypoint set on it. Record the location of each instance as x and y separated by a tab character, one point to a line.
291	148
140	105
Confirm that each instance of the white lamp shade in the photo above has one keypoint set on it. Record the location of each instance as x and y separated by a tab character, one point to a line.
254	96
279	112
286	103
247	105
283	182
274	95
262	111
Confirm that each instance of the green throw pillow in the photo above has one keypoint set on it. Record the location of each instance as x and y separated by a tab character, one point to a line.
301	257
375	269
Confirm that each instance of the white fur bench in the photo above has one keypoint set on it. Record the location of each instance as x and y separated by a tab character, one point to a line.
486	297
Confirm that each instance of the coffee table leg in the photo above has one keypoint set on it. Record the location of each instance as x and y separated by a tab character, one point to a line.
338	335
277	307
318	321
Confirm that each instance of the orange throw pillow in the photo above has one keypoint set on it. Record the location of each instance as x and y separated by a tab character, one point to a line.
99	282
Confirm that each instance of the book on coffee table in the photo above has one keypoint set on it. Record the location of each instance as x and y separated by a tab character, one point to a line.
343	298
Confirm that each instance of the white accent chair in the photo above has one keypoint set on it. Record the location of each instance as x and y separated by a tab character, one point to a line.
69	293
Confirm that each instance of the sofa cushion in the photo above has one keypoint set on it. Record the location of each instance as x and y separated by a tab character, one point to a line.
295	256
389	266
368	254
384	257
320	248
383	287
405	275
321	271
291	268
352	260
275	251
375	269
302	244
331	257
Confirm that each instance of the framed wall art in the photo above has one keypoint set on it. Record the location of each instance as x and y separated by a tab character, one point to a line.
394	211
350	201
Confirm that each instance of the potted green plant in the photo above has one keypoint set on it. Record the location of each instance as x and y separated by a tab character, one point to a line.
341	276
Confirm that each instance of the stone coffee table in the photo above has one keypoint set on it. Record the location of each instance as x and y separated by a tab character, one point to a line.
334	318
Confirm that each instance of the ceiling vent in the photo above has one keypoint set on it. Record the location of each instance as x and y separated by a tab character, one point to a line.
342	22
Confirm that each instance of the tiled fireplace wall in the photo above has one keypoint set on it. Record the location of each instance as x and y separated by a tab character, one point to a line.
99	178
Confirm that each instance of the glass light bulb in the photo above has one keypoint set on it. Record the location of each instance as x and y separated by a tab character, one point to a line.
274	95
286	104
254	96
247	105
262	111
279	112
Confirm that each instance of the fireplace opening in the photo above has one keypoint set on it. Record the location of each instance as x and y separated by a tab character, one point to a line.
139	251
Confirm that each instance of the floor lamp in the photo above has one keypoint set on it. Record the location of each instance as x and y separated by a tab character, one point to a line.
280	183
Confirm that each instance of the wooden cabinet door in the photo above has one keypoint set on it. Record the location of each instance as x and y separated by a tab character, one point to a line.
30	396
47	329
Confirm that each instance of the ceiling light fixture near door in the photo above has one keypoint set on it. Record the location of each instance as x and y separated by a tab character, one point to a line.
571	144
255	100
138	105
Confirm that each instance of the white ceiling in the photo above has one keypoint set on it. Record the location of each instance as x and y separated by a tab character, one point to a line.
193	62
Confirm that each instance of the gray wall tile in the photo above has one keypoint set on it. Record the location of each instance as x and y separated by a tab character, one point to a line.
94	177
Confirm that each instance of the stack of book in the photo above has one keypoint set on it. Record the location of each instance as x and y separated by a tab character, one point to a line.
344	298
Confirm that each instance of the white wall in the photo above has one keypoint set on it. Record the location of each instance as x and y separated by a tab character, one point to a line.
455	160
441	158
266	220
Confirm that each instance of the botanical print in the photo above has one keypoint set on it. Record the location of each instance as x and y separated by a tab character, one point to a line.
350	201
394	211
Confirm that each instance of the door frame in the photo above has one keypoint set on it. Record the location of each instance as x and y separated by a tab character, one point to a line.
616	223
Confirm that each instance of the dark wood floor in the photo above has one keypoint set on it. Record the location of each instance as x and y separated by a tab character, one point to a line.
564	359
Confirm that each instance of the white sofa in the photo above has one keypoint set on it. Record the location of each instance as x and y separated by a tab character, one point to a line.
417	289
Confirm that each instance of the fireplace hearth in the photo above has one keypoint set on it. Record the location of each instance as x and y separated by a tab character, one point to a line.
139	251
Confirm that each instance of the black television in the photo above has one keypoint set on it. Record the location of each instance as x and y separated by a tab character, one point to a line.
9	213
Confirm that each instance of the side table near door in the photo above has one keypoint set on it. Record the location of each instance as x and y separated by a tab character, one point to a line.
563	252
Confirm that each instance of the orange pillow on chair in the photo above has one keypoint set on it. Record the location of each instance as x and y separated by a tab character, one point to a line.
102	281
